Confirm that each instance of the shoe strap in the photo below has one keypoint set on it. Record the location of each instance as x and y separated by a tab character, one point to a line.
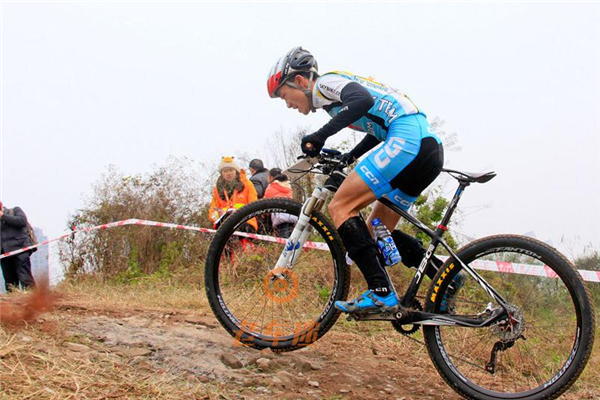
377	302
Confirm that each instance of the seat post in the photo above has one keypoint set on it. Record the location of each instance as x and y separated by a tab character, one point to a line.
443	226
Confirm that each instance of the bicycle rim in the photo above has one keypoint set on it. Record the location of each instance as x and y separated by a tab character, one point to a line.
541	349
283	309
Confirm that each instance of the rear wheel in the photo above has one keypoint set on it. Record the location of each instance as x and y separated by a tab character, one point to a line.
261	307
536	352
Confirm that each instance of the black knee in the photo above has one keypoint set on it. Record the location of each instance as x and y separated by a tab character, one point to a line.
363	250
356	237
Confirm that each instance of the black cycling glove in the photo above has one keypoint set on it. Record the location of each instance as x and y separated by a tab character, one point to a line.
347	158
317	140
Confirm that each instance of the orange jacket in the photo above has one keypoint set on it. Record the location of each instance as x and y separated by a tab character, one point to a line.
218	206
279	189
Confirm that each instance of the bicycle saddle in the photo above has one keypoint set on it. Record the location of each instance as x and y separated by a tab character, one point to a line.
471	176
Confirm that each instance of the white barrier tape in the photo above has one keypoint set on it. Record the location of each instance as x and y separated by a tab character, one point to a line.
133	221
527	269
497	266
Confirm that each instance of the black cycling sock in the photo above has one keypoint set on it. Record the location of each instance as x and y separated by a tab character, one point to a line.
412	252
364	252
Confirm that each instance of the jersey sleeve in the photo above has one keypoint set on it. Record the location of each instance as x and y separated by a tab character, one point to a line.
329	89
356	101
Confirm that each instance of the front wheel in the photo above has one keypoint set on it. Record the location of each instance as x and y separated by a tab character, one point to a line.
539	348
281	309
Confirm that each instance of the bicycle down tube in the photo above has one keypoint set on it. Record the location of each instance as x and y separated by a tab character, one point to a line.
302	229
436	239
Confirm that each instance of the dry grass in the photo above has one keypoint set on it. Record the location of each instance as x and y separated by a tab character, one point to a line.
36	364
150	294
188	297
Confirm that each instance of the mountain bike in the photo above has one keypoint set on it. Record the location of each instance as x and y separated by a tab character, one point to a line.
505	336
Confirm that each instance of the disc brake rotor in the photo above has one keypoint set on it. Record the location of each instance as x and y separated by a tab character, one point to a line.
512	327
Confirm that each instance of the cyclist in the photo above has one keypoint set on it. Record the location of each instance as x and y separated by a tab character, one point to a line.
409	159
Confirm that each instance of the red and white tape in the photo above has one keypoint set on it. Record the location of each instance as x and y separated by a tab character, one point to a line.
133	221
527	269
497	266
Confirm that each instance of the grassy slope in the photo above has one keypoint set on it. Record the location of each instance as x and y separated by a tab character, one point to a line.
34	365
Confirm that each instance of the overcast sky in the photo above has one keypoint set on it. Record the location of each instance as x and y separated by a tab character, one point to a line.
85	85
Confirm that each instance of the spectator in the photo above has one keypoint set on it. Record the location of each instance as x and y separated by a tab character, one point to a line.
232	191
14	235
259	177
279	186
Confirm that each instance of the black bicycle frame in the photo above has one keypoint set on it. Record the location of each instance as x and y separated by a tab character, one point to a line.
436	240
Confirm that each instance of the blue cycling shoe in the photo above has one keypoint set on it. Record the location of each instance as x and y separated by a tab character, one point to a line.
369	301
449	298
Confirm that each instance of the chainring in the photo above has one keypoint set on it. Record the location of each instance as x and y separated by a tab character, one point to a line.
402	329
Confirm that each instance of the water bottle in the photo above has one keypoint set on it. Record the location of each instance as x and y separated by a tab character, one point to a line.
386	244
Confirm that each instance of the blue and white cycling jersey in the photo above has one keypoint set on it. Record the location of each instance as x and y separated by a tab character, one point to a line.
410	155
390	104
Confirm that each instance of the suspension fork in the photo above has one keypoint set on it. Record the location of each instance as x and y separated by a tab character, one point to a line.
299	235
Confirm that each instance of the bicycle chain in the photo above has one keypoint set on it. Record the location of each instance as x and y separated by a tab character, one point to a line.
416	304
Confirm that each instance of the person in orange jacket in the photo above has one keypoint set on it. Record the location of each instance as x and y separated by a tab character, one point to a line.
279	186
232	191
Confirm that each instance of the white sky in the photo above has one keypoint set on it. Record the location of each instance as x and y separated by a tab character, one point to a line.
85	85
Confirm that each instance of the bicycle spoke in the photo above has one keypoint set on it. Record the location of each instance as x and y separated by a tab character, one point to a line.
525	349
245	301
528	345
281	307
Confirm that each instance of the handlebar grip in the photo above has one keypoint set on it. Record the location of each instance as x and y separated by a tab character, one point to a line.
331	152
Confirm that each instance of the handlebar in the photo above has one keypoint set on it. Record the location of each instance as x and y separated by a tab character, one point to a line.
327	162
327	155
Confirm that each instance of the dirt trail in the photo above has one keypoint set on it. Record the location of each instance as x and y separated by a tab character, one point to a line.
93	349
338	366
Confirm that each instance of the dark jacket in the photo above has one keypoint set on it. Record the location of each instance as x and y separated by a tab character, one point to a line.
260	182
13	230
